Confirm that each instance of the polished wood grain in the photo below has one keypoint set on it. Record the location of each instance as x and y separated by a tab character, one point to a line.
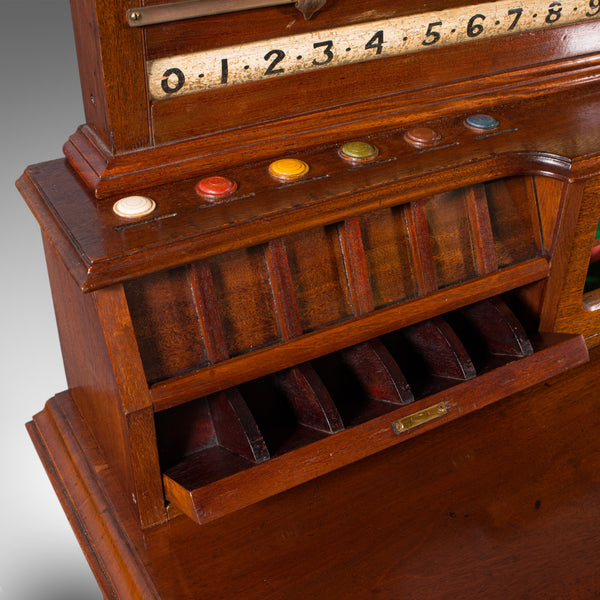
115	105
477	514
110	390
182	142
367	382
185	387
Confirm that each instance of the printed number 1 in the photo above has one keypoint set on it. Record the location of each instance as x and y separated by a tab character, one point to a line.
224	70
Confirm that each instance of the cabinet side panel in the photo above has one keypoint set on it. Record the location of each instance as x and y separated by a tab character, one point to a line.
127	440
564	302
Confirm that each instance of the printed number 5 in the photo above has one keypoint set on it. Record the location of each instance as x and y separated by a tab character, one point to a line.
432	36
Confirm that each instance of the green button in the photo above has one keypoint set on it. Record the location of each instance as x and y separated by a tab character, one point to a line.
358	151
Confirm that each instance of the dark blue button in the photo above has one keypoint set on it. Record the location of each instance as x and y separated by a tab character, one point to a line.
481	122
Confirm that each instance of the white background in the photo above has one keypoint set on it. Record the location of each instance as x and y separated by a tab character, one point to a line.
40	106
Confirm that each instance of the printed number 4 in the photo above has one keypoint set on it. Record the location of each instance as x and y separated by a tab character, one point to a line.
376	42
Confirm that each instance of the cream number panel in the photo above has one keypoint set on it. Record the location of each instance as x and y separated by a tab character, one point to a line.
190	73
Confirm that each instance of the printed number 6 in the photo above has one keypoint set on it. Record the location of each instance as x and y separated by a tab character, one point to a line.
474	29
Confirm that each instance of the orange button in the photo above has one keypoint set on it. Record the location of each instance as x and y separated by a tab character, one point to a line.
216	187
288	169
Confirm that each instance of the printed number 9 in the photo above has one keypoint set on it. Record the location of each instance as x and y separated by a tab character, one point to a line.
596	5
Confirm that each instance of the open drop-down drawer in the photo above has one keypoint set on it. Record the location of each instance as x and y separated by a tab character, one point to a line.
244	444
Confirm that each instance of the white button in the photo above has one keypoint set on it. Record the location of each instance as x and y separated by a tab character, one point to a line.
134	206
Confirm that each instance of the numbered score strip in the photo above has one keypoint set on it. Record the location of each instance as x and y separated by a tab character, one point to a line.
200	71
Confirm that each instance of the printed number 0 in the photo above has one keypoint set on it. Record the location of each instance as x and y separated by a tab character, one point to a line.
165	84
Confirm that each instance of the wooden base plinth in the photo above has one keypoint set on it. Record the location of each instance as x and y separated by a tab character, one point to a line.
501	504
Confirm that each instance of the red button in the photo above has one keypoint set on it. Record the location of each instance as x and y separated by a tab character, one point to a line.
422	136
216	187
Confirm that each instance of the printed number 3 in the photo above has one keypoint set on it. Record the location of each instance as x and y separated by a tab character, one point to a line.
327	46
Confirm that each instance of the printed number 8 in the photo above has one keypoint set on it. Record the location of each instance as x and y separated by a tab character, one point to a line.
554	12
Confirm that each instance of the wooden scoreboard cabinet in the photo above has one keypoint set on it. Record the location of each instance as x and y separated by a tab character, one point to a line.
327	286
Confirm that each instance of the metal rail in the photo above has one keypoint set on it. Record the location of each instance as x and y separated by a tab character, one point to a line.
191	9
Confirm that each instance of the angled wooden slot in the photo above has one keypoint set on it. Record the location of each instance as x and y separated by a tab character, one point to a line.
309	398
355	261
302	387
421	248
364	381
554	353
283	291
287	420
491	333
207	308
244	300
481	229
451	237
431	355
205	441
319	279
220	424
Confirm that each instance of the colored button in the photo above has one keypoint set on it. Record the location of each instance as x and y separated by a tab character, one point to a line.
216	187
481	122
358	151
288	169
133	207
422	136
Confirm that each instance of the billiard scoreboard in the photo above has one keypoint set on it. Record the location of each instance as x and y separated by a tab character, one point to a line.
362	41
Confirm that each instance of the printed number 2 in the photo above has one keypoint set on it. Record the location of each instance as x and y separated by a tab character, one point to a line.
279	56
